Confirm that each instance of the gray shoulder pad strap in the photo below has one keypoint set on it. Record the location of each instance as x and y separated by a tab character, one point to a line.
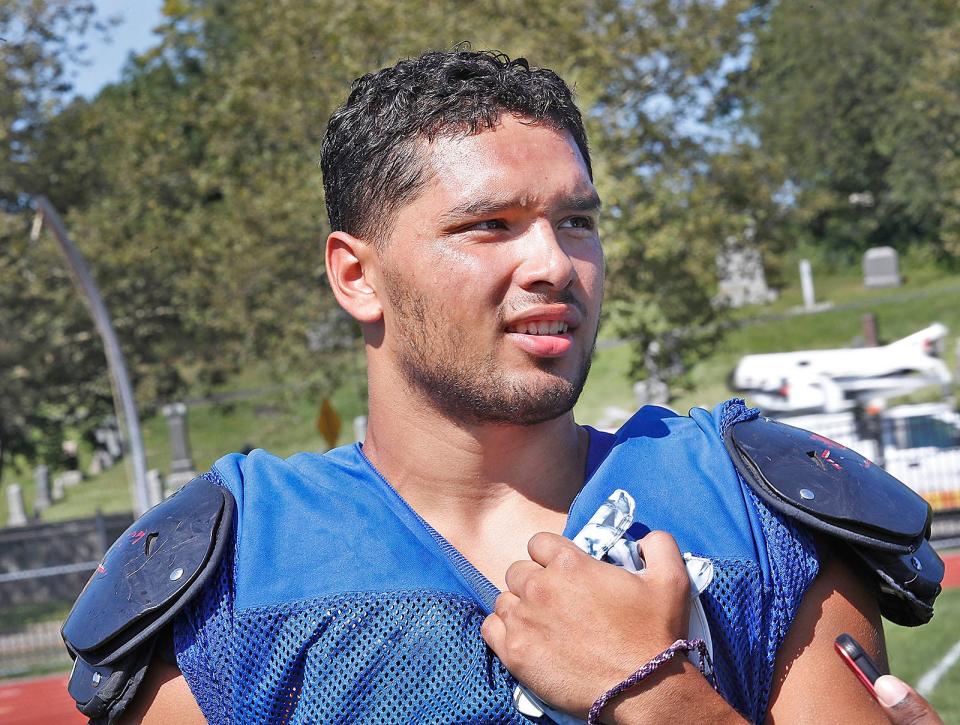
838	492
147	576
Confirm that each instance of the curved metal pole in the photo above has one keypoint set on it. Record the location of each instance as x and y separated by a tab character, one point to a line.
115	360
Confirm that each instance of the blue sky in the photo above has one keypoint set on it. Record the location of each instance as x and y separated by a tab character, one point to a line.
134	34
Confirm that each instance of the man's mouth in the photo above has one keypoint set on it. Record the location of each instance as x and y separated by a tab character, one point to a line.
539	327
546	336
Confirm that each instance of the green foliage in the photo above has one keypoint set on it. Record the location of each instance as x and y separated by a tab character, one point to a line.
913	651
834	90
923	141
51	366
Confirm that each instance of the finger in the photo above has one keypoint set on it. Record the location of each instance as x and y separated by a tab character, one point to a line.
664	561
505	604
659	550
545	547
519	573
494	632
902	703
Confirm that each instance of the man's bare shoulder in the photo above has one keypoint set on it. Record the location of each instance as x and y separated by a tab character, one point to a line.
164	697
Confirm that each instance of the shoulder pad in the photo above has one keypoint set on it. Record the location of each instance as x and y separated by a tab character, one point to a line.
838	492
827	486
147	576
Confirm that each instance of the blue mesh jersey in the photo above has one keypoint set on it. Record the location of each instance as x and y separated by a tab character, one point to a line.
338	603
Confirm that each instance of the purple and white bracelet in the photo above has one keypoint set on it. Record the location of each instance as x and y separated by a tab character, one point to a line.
681	645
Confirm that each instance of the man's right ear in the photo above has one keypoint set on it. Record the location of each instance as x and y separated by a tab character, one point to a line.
351	271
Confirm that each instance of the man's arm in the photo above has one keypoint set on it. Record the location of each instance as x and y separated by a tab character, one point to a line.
811	683
164	697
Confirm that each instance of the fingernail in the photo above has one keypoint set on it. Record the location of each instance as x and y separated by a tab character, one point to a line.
890	691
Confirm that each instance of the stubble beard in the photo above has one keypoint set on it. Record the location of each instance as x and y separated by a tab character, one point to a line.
436	360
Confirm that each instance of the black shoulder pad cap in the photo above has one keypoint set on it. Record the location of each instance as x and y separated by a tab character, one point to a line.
838	492
144	579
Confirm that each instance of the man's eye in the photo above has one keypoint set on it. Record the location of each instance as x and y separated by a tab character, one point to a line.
489	225
578	222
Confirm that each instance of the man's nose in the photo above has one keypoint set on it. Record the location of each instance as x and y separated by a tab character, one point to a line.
544	259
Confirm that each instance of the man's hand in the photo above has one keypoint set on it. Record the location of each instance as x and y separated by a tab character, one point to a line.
571	627
902	703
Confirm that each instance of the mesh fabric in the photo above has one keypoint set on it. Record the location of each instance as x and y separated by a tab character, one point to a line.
398	657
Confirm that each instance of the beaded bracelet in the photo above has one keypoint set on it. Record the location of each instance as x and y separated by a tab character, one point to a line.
681	645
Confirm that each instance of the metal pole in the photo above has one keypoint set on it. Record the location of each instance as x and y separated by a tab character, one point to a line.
115	360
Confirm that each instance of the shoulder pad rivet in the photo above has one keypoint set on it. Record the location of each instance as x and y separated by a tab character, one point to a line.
916	563
807	494
96	679
176	574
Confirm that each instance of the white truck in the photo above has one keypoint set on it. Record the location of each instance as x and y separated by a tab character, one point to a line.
830	381
921	445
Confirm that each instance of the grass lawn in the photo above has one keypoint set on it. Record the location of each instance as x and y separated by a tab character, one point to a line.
914	650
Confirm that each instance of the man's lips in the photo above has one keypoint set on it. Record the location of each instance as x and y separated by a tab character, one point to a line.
542	345
545	320
544	331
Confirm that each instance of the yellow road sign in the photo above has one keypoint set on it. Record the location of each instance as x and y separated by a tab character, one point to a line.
328	423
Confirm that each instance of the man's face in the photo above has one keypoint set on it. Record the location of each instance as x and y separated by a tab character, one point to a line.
494	276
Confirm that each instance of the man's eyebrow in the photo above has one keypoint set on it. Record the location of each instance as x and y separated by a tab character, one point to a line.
589	201
474	208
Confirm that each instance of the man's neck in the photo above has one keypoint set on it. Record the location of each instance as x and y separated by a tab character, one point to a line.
462	473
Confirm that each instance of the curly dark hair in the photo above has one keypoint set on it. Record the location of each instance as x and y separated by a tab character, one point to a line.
369	159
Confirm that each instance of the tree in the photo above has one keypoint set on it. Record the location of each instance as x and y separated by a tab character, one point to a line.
641	71
52	373
826	79
922	139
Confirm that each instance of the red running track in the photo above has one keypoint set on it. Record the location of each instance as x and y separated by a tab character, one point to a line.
951	577
45	701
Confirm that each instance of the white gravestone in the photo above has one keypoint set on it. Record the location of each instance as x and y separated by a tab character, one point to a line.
17	512
57	492
154	487
41	476
806	285
881	267
741	278
181	465
360	428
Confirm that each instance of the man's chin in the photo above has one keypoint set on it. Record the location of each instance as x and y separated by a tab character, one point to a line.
527	406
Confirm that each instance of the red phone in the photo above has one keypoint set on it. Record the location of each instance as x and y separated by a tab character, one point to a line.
857	660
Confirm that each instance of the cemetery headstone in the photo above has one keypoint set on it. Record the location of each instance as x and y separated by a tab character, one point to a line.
360	428
181	465
742	280
154	487
56	493
112	442
17	512
41	477
652	391
806	285
71	478
881	267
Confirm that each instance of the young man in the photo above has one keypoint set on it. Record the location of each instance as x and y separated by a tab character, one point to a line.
363	585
